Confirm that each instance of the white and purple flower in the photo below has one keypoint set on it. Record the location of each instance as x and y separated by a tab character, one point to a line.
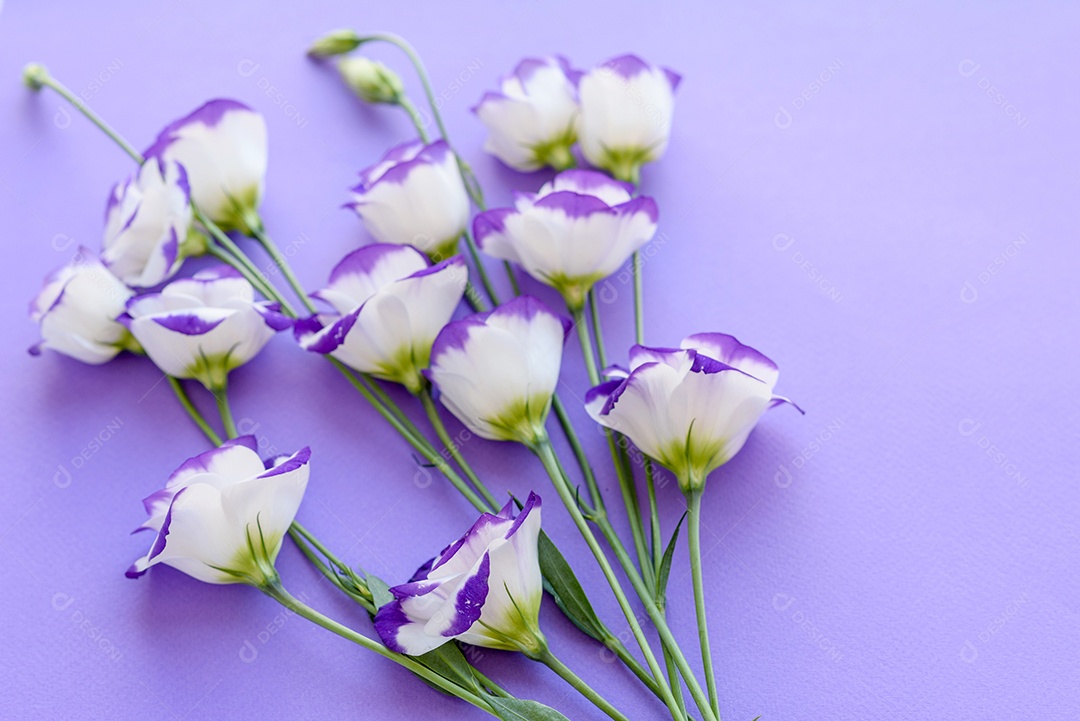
626	109
414	196
223	514
147	225
77	310
580	228
390	304
484	589
690	408
205	326
223	147
497	371
532	120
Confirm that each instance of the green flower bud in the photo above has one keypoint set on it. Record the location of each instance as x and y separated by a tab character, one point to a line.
371	80
337	42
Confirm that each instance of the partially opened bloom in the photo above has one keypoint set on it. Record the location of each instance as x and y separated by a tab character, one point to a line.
372	81
484	589
223	147
390	305
414	196
581	227
147	224
222	515
691	408
626	109
497	371
205	326
532	120
77	309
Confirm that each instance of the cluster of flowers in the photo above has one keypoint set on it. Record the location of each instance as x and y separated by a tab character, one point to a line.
388	315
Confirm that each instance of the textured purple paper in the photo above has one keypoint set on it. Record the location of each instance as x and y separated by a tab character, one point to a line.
880	196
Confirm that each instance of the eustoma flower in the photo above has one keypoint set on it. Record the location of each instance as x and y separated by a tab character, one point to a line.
532	120
223	147
626	109
484	589
691	408
77	309
390	304
414	196
205	326
223	514
497	371
581	227
147	224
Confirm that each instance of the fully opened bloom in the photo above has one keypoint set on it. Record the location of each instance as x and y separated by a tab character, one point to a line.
532	120
497	371
205	326
484	589
390	305
414	196
222	515
223	147
77	309
581	227
626	109
147	222
691	408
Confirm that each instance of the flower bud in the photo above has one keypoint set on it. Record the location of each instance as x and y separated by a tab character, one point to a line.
372	81
336	42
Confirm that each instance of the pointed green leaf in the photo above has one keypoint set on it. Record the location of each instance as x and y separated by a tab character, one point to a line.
563	586
665	565
449	662
380	592
522	709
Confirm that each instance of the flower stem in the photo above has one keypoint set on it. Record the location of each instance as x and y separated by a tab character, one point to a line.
598	336
259	232
221	397
37	76
452	448
699	598
200	421
551	661
639	302
546	454
276	591
414	115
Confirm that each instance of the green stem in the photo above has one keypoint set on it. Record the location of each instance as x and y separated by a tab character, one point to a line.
546	454
551	661
276	591
579	454
37	76
414	115
327	572
200	421
454	451
654	518
646	595
259	231
694	498
221	396
639	311
490	685
598	336
485	279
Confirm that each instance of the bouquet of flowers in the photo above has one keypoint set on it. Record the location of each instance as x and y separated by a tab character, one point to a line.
390	314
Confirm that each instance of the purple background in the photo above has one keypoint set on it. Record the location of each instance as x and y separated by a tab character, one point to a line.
881	196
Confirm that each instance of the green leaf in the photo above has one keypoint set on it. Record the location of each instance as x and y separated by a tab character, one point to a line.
665	565
380	592
449	662
522	709
563	586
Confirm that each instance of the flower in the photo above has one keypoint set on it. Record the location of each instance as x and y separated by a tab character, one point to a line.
205	326
147	224
581	227
390	306
626	108
223	147
414	196
222	515
691	409
497	371
484	589
372	81
532	120
77	309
